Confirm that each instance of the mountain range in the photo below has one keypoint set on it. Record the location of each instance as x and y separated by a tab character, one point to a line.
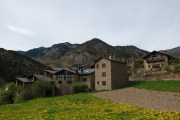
67	54
25	63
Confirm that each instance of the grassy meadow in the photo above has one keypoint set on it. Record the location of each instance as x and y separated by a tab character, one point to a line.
171	86
84	106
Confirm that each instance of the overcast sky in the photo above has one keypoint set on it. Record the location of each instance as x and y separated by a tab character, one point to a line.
147	24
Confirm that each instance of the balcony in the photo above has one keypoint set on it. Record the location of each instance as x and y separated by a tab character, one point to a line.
155	60
156	66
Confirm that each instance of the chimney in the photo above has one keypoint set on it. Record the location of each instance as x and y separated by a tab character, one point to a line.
82	68
76	71
114	57
110	56
164	51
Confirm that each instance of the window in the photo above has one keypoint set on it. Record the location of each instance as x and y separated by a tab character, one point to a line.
69	82
162	56
103	65
69	77
84	79
162	63
103	82
98	82
104	74
59	77
60	82
149	64
149	58
155	63
154	58
97	66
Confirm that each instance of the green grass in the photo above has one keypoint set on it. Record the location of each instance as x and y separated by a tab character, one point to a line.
79	106
84	106
172	86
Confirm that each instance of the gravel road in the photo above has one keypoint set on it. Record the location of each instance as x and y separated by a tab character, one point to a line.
149	99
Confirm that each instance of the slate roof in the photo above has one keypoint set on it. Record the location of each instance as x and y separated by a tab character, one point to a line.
51	71
42	77
66	70
59	69
87	71
74	68
25	80
157	52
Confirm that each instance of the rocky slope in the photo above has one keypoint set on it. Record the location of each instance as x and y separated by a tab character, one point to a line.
66	54
174	51
88	52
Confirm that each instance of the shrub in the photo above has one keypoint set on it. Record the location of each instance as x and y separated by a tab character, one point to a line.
40	87
166	67
25	94
9	93
79	87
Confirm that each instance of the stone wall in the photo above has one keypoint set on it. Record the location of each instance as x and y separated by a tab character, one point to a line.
98	75
118	74
157	77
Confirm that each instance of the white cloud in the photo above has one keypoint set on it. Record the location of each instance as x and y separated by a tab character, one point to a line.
19	30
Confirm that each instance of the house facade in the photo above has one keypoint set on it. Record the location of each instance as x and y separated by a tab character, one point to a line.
64	78
110	74
154	61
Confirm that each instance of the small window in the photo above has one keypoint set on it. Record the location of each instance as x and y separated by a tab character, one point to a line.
97	66
103	65
60	82
154	58
84	79
162	56
98	82
69	77
59	77
104	74
155	63
69	82
103	82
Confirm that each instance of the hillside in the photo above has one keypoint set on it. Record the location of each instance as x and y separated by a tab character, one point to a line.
67	54
88	52
132	51
45	55
81	106
14	64
174	51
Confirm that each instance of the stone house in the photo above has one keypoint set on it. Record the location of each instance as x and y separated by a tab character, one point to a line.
64	78
154	61
110	74
131	64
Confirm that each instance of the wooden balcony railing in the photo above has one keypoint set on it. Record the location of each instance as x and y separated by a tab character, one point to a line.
155	60
156	66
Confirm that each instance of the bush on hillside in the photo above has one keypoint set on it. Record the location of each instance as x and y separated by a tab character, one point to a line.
9	93
79	87
37	89
165	67
40	88
25	94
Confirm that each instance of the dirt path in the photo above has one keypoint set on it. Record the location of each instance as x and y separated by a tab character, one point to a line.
149	99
